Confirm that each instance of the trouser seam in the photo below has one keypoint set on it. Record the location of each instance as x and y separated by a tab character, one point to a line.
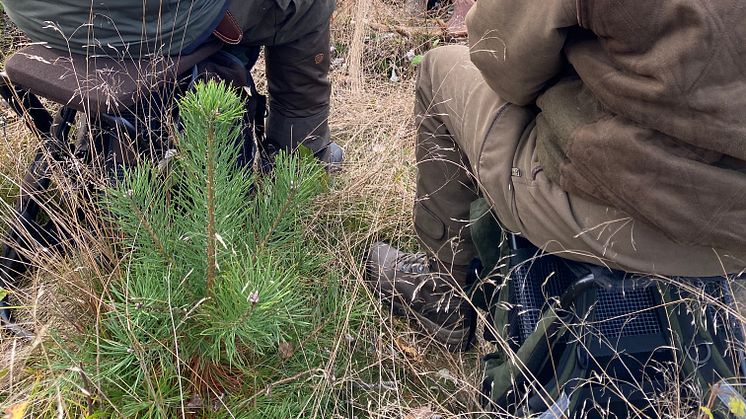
500	111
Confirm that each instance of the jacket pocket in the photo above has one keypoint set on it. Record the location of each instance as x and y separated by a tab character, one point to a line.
229	30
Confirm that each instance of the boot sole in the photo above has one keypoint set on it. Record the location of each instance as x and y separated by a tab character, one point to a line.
455	340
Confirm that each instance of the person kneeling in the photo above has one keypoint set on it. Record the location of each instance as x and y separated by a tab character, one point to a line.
601	139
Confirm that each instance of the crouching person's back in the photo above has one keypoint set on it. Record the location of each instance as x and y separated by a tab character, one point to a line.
123	28
294	33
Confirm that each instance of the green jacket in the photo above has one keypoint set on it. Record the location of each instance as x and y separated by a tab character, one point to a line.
642	103
124	28
116	27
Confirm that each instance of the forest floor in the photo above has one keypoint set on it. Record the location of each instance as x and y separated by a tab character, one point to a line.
349	359
393	371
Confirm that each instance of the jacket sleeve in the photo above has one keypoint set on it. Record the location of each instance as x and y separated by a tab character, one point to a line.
517	44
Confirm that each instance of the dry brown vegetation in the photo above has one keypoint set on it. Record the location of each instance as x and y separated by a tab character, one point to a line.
382	366
404	373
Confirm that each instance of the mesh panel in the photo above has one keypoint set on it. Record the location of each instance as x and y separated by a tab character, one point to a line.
534	283
617	313
626	313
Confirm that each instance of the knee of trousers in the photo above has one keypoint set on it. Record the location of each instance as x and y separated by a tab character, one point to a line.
449	241
441	57
429	227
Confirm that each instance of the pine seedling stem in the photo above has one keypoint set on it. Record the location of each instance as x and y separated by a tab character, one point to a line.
210	205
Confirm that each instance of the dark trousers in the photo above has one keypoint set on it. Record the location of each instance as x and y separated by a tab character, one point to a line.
299	87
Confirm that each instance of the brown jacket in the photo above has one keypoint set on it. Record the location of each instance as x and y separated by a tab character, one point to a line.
642	103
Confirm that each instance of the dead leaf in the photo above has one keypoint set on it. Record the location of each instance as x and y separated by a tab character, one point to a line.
16	411
408	350
194	405
422	413
446	375
286	350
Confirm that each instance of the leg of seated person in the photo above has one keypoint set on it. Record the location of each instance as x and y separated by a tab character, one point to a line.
300	90
455	112
445	185
461	122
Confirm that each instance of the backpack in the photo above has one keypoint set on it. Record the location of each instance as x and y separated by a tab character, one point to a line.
578	340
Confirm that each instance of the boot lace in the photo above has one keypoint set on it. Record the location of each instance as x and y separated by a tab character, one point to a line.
415	263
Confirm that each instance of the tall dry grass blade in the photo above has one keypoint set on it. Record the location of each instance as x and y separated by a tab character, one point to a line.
355	59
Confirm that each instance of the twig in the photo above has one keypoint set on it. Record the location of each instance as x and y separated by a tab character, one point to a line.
355	58
286	380
407	31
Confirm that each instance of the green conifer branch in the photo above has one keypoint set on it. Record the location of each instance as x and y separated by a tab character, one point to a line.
278	218
138	205
151	232
210	206
224	315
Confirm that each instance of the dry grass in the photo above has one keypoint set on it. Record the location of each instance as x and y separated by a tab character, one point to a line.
370	200
407	374
404	374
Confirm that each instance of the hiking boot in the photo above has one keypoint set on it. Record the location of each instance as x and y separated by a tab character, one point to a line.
332	157
413	284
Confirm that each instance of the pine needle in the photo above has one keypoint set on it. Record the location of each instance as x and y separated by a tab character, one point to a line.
211	260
